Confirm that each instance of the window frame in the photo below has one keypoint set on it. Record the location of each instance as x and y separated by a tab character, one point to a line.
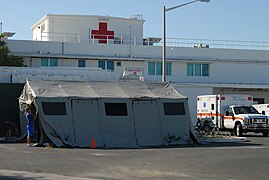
119	109
104	64
52	61
205	73
198	69
158	68
170	111
48	62
83	61
108	62
189	69
151	65
54	108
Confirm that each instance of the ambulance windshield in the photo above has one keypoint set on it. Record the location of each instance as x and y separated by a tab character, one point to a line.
245	110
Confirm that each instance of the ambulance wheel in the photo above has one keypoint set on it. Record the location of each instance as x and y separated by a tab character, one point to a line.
265	134
238	130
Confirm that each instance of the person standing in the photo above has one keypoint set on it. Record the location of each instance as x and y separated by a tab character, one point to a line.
11	129
30	125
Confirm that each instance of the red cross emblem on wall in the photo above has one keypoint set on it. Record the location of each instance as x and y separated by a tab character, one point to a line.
102	34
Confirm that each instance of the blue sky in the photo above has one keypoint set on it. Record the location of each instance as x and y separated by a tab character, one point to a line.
219	19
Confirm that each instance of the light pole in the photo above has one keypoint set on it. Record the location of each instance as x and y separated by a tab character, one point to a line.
164	33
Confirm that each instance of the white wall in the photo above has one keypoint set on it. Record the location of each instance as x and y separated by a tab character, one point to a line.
235	72
70	62
91	63
192	92
226	66
34	47
255	92
76	28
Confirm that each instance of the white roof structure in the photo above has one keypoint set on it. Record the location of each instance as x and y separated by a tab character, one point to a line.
105	89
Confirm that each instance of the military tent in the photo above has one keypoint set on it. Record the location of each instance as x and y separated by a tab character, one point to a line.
115	114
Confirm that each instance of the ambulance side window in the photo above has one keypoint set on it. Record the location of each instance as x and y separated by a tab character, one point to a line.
230	110
212	107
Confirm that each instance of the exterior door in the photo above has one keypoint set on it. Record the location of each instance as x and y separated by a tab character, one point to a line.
147	123
86	122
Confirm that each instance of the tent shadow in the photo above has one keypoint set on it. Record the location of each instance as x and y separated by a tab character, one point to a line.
17	176
200	144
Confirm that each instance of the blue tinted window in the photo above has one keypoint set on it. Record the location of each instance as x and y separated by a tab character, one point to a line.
205	69
102	64
81	63
110	65
189	69
168	69
158	68
151	68
197	69
44	62
53	62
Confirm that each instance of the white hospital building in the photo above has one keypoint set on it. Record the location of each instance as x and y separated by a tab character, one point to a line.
82	47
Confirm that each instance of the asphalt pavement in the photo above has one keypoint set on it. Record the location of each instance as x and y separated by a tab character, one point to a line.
247	159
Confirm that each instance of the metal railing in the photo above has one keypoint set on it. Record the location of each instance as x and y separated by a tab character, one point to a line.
213	43
172	42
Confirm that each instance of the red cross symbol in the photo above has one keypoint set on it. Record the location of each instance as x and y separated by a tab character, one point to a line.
102	34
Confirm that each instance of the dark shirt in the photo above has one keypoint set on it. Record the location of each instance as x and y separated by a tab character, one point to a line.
30	119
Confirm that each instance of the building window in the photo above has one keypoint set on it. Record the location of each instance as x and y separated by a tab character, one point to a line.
118	63
106	64
116	109
158	68
168	69
44	62
196	69
102	64
110	65
205	69
53	62
81	63
189	69
49	62
151	68
155	68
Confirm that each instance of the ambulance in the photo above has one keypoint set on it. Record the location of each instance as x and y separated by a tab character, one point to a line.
232	112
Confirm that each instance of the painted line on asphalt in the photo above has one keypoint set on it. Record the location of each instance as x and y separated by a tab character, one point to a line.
99	154
243	147
32	175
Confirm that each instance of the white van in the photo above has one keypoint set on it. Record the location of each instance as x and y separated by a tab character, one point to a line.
232	112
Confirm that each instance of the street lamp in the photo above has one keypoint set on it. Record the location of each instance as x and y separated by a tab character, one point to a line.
164	33
1	24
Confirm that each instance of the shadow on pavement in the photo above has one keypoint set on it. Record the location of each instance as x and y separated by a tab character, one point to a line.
246	142
14	177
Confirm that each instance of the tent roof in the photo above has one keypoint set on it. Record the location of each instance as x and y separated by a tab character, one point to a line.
98	89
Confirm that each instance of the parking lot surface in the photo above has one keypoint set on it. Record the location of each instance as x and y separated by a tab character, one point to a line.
233	160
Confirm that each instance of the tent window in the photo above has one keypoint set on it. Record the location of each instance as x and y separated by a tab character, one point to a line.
116	109
54	108
174	109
